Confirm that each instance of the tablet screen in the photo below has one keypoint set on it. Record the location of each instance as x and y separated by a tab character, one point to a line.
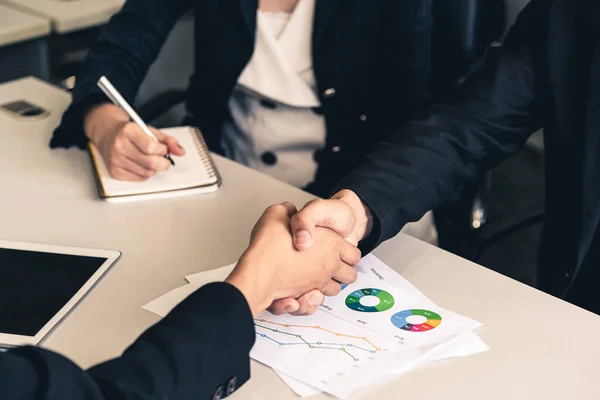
34	286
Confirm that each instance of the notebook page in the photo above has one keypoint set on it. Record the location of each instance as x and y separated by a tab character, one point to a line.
189	171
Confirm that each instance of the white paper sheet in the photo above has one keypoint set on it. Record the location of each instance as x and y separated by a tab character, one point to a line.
462	345
215	275
327	352
190	171
165	303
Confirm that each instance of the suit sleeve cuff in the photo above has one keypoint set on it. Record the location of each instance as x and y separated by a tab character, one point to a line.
85	95
70	132
220	302
387	221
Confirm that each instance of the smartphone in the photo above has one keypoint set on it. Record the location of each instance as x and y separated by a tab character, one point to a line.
22	109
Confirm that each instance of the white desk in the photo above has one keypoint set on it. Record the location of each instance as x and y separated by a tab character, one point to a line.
17	26
541	348
70	15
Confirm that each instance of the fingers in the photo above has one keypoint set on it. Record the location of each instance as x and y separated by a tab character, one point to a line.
306	304
135	168
121	167
153	163
280	211
349	253
173	146
125	175
284	306
332	288
333	214
275	214
291	208
345	274
309	303
132	155
129	151
143	142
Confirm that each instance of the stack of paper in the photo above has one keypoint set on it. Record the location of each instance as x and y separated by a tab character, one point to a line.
379	326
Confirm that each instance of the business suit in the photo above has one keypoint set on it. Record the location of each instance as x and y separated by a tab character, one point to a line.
196	352
371	61
545	75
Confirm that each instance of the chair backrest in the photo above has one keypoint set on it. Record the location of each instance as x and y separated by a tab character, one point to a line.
463	30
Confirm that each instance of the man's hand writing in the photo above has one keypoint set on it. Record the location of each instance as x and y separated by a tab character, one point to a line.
128	152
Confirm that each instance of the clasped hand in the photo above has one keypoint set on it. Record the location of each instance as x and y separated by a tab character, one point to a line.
296	258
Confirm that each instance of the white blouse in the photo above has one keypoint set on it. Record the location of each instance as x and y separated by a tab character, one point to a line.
273	127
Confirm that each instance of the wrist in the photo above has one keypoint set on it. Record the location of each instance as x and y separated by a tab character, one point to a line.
102	118
362	213
252	280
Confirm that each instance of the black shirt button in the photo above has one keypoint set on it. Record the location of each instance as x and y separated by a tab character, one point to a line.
269	158
219	393
318	110
569	274
363	117
268	104
232	385
336	149
329	93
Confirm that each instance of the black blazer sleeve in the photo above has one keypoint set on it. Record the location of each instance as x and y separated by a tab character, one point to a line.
425	161
201	347
124	52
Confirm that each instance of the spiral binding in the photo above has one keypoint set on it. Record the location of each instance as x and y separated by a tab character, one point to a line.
205	157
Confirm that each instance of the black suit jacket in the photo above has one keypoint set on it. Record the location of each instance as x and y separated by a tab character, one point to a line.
545	75
374	54
199	351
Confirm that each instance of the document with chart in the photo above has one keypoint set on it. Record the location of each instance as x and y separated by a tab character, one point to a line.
355	338
379	326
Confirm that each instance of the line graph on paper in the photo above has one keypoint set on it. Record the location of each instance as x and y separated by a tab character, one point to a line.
367	331
316	337
351	340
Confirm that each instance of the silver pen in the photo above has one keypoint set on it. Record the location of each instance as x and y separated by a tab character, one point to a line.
118	100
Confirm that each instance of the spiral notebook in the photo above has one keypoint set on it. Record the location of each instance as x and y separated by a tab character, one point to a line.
194	173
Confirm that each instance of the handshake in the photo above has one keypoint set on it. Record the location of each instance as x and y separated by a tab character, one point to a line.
295	258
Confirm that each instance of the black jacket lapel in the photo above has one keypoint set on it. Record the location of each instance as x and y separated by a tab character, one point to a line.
323	11
249	8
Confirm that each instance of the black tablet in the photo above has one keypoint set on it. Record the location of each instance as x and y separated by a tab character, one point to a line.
40	284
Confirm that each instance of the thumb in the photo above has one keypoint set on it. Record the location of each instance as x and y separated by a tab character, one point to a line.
333	214
284	306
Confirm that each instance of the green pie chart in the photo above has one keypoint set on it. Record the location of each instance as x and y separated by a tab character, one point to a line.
370	300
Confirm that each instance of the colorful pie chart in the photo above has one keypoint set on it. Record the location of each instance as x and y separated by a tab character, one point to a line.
370	300
432	320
